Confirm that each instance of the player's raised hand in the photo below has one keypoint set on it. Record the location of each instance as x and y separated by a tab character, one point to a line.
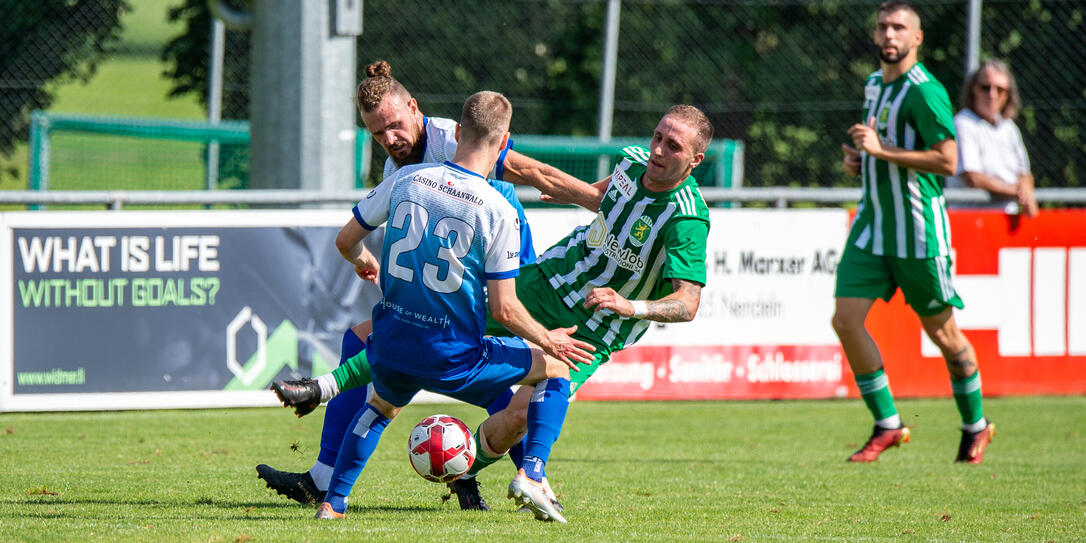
866	138
568	349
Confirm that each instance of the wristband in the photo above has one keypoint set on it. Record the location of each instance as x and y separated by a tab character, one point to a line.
641	309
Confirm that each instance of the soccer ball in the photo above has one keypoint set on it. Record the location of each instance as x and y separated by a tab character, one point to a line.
441	448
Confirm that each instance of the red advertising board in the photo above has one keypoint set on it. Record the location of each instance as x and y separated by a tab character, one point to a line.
1024	285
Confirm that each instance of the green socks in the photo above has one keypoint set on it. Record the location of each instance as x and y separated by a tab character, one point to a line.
967	396
482	460
875	390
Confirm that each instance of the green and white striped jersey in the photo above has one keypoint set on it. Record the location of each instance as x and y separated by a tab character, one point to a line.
903	212
639	241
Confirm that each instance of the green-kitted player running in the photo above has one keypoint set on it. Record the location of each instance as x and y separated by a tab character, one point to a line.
901	235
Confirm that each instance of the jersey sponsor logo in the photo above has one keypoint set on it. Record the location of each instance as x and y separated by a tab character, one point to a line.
412	316
597	232
621	181
516	224
597	237
871	92
623	256
450	189
640	230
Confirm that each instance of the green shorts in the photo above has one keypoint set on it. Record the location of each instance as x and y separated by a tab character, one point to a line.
924	281
547	307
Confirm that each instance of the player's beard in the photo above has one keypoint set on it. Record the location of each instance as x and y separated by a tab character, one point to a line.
415	156
888	59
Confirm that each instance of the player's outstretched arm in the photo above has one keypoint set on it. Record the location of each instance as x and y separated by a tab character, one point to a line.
507	309
552	182
679	306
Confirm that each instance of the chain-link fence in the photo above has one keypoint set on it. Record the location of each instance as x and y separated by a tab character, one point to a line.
785	77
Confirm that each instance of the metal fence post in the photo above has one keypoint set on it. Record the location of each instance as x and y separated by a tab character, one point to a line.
39	153
972	37
607	81
214	97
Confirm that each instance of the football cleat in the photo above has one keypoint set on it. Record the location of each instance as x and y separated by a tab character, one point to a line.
296	486
880	440
532	495
550	494
467	493
325	511
304	395
971	448
554	503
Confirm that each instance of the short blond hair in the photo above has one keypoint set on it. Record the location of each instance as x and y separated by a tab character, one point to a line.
485	117
696	119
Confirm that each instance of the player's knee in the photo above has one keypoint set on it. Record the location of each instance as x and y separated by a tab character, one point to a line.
556	368
949	339
843	323
387	409
518	415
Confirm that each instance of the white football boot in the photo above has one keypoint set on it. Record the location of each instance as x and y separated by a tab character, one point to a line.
533	496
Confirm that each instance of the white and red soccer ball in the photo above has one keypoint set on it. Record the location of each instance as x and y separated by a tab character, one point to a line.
441	448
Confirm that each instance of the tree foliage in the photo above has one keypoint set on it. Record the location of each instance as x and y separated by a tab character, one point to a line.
43	43
186	56
785	77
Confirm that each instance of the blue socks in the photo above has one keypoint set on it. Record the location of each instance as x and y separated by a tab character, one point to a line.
546	413
358	445
342	408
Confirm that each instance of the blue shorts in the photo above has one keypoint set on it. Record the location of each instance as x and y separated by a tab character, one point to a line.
505	361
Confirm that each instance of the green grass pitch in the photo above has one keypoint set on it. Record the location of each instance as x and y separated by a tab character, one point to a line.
674	471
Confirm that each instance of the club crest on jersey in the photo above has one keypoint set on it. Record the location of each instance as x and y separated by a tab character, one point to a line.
884	116
640	230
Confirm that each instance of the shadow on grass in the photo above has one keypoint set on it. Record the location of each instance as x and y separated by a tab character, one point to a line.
231	505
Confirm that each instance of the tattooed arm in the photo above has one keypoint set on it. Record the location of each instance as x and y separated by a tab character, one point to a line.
679	306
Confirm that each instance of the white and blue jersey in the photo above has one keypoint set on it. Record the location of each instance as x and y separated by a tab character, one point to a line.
441	146
448	232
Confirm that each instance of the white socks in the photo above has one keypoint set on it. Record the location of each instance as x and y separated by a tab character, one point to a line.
322	475
329	388
892	422
976	426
